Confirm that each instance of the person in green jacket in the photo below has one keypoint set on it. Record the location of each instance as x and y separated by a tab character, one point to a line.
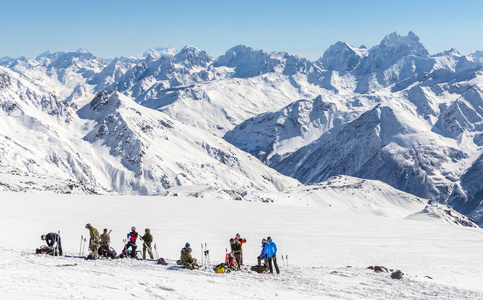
186	259
147	239
94	241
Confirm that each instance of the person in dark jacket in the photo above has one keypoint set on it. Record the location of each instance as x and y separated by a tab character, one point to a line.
272	255
236	249
131	242
242	241
263	255
51	239
147	239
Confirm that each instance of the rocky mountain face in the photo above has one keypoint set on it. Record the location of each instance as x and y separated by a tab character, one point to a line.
393	113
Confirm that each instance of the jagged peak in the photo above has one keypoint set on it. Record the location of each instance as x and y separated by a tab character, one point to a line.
341	56
477	53
45	53
190	56
82	50
450	52
412	41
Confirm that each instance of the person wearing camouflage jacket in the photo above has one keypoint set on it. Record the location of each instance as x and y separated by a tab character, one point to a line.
94	238
186	259
105	243
147	241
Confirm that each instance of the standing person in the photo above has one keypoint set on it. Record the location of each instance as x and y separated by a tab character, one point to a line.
186	259
131	242
147	239
263	255
105	243
94	241
236	249
272	255
50	239
242	241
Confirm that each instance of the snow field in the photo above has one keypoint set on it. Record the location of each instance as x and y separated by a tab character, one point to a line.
318	242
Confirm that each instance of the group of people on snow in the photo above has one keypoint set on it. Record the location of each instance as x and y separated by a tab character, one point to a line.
100	245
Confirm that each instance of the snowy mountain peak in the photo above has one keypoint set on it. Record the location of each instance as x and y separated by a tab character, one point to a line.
342	57
392	49
246	61
191	56
82	50
158	52
46	53
409	44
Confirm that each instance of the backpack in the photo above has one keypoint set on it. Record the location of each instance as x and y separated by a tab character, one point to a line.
44	250
219	268
260	269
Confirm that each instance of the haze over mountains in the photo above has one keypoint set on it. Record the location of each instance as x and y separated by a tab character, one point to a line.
393	113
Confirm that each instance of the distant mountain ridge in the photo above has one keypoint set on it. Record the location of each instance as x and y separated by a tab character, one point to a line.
393	112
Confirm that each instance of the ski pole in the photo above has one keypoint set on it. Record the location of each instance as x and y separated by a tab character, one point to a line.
57	242
84	246
201	254
80	248
156	250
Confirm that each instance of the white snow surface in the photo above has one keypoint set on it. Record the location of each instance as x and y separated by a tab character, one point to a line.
328	251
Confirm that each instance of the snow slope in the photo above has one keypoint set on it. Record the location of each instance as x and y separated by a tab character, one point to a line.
328	251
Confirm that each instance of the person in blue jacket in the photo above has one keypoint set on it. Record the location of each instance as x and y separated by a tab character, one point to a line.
272	255
263	255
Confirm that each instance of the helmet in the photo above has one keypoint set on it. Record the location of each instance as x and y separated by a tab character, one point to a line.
42	237
88	225
187	244
264	241
133	228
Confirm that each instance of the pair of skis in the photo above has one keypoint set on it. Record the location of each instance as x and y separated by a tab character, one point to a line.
285	261
155	250
205	255
82	246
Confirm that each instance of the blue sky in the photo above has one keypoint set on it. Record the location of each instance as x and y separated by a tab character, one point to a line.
306	28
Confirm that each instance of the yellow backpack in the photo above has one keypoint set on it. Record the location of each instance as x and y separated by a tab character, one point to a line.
220	268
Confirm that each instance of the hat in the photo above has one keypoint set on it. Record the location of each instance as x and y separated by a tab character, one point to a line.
42	237
237	235
105	229
187	244
264	241
232	241
133	228
269	238
88	225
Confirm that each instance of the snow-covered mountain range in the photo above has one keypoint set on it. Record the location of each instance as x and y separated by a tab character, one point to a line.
393	113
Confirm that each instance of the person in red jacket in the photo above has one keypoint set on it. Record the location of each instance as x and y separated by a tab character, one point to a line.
242	241
131	242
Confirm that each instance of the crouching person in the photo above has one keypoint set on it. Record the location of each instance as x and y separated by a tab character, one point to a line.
186	259
53	239
263	257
